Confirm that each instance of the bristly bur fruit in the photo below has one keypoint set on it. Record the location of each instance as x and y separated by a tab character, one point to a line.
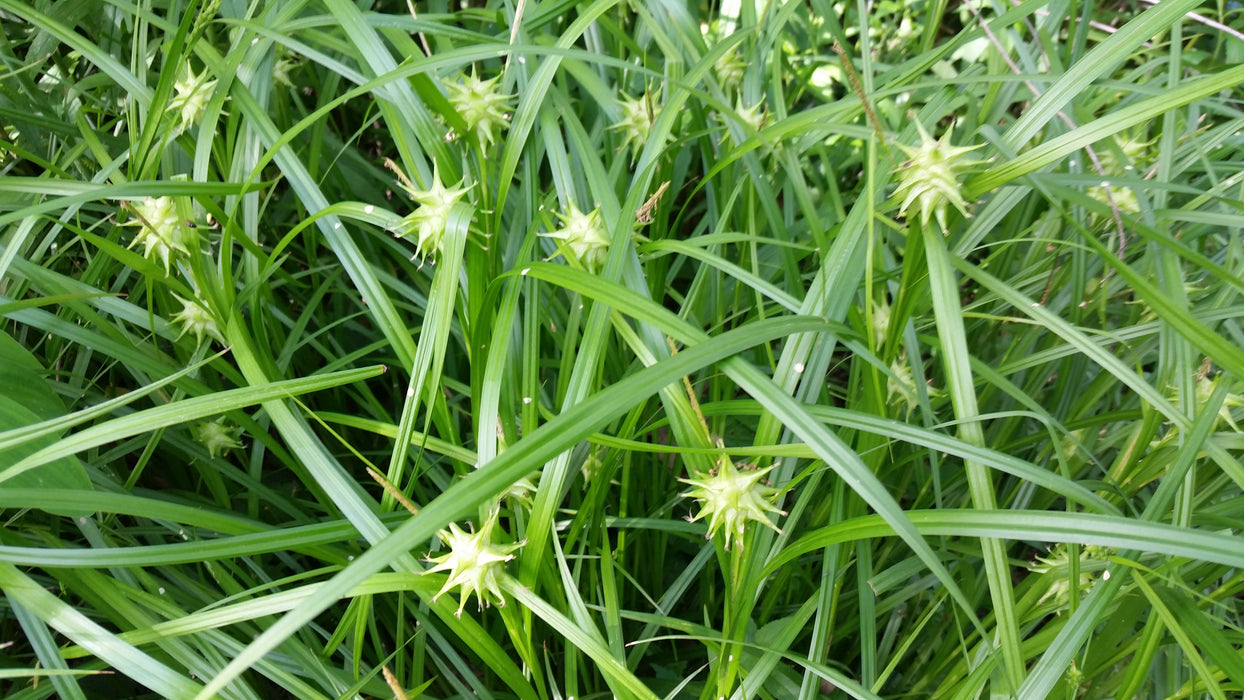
161	233
1057	566
901	388
217	437
429	221
481	105
729	498
1136	156
930	177
197	320
730	68
475	564
8	137
755	116
638	116
192	92
585	236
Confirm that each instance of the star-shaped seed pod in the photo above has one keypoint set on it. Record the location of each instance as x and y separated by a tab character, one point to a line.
481	105
930	177
584	235
475	564
429	221
729	498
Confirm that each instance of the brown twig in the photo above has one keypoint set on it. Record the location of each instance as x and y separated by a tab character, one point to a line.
423	40
392	491
854	79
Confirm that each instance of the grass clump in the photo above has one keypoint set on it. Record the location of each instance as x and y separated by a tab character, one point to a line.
779	351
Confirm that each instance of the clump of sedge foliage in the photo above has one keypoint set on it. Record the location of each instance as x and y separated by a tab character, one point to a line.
621	349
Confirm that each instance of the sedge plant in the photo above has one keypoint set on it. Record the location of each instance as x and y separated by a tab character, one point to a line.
641	350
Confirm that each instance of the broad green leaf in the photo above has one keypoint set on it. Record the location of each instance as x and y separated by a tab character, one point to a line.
26	400
57	474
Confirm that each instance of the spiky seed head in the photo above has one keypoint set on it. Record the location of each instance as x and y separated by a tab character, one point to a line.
585	236
9	137
902	386
481	105
755	116
881	321
191	93
638	115
428	222
1205	387
284	67
930	177
161	233
1056	564
217	437
729	68
475	564
730	497
197	320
